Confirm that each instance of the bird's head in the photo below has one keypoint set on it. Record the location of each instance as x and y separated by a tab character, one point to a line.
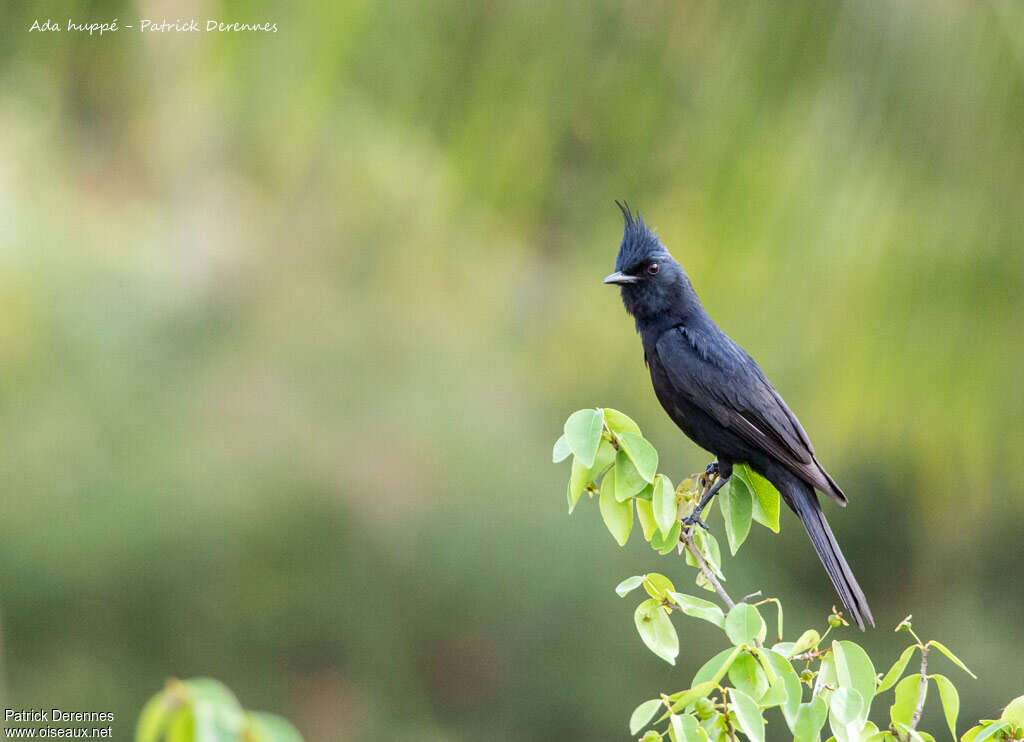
653	284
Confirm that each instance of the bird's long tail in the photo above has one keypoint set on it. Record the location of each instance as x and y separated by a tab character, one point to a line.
804	502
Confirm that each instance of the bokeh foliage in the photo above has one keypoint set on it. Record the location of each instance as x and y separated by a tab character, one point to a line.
205	710
284	321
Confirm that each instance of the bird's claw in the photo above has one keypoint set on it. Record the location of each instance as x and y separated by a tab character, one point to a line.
712	468
695	519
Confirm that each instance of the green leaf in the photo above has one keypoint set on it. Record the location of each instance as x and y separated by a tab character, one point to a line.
826	674
896	671
578	480
656	630
711	552
155	716
581	476
991	730
855	670
846	709
952	657
971	733
628	481
911	734
628	585
682	699
762	658
651	736
658	586
808	640
213	691
183	727
776	695
748	715
604	459
765	496
647	493
707	545
643	714
699	608
714	727
266	727
617	516
645	514
747	676
684	728
784	648
618	422
667	544
675	728
583	434
715	668
743	624
810	718
609	484
846	705
642	453
663	503
876	736
737	509
1014	712
907	692
950	701
794	690
217	724
701	580
561	450
217	715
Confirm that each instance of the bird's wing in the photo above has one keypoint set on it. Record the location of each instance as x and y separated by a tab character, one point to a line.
720	378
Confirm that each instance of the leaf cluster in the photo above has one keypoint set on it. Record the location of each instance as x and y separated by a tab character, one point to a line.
612	460
205	710
811	682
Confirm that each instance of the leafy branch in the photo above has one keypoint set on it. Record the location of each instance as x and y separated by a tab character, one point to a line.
205	709
730	694
709	575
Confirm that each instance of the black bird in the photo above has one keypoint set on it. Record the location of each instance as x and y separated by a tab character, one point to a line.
721	399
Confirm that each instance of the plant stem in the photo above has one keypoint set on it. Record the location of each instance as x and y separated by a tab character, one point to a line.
924	688
725	714
685	536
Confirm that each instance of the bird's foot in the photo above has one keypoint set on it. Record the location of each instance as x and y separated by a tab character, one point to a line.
711	469
710	490
694	519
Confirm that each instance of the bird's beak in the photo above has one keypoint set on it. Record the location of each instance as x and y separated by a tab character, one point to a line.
620	278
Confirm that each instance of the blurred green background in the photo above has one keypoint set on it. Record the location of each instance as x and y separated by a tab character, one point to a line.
289	322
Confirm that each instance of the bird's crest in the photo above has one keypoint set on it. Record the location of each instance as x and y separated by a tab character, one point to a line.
639	242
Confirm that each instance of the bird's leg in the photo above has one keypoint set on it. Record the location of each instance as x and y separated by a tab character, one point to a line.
694	517
711	469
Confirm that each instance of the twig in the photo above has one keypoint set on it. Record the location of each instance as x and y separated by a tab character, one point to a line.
684	534
811	654
924	688
687	540
725	707
667	701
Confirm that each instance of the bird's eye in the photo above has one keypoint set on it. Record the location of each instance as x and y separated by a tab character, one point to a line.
652	268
